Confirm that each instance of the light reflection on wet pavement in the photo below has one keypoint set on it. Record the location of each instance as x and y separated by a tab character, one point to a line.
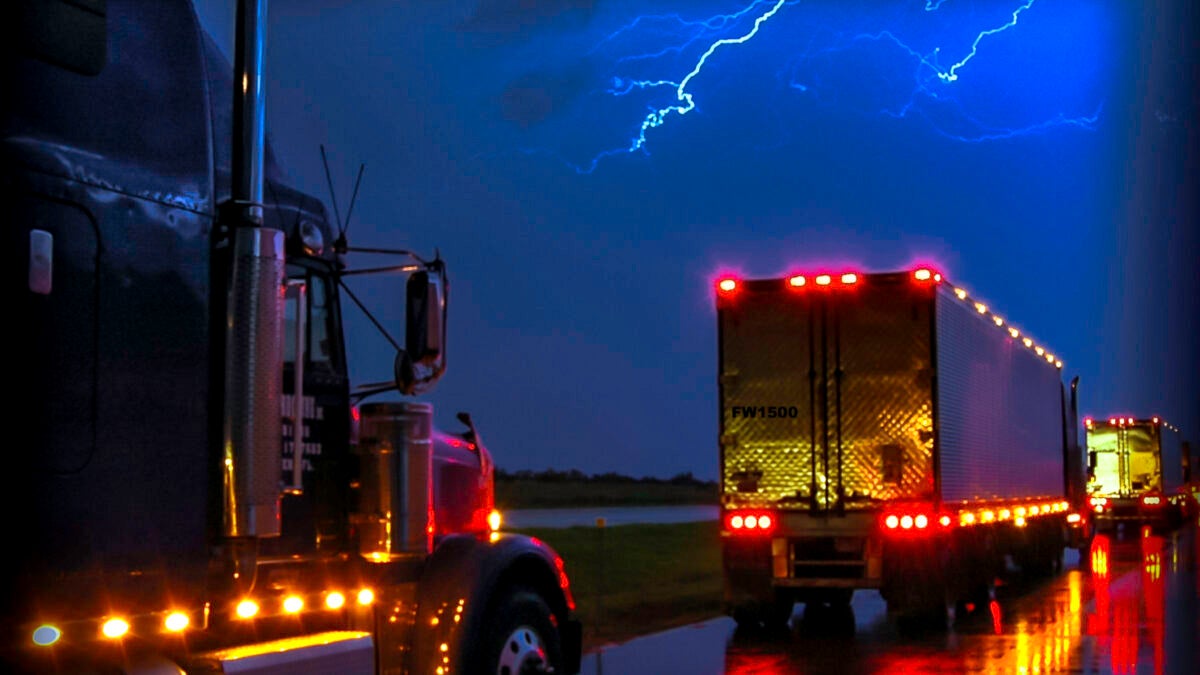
1137	612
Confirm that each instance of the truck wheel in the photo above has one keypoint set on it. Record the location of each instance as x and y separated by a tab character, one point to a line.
521	638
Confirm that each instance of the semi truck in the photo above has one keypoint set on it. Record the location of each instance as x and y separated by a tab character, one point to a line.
1137	472
198	486
886	431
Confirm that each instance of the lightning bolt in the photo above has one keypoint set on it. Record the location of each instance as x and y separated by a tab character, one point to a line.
929	85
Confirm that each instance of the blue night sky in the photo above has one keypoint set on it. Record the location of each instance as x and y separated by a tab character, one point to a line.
1047	164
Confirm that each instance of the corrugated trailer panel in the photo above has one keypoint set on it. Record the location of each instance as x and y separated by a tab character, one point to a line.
765	357
998	410
854	365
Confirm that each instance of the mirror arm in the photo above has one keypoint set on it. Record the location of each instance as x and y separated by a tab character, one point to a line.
367	312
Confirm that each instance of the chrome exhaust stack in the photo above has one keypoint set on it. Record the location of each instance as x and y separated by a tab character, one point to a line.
395	516
252	431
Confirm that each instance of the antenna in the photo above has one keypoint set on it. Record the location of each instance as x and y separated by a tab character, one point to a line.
353	197
332	195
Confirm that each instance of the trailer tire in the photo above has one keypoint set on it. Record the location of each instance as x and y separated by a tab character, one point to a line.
520	637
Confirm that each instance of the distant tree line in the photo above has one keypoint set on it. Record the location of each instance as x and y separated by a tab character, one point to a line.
611	477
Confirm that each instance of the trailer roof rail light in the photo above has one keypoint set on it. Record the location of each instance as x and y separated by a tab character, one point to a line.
824	279
797	281
849	278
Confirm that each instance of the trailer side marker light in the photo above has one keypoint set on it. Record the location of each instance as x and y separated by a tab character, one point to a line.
962	295
1040	351
1049	358
494	520
892	522
1005	514
1014	332
906	522
998	320
1074	518
1020	512
987	516
1033	510
727	285
1155	420
824	280
1112	420
849	278
46	635
1028	342
246	609
1058	364
293	604
115	628
1019	522
967	519
366	596
981	308
797	281
944	521
921	521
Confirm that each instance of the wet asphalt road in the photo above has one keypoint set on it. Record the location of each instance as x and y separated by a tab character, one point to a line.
1136	611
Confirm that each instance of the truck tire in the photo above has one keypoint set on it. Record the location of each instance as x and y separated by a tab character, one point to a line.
520	637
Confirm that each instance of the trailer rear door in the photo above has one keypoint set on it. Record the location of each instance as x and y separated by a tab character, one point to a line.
826	393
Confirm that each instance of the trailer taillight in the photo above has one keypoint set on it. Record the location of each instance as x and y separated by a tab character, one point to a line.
749	522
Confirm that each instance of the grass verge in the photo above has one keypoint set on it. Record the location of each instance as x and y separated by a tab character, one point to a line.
630	580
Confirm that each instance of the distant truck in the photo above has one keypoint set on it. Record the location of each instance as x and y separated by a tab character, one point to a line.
886	431
1136	472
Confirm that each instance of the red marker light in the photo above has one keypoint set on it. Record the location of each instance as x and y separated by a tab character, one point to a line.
797	281
764	521
922	275
1112	420
849	278
727	285
892	522
921	521
824	280
944	521
906	522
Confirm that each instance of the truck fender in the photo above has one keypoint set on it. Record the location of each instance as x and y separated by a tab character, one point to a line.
461	580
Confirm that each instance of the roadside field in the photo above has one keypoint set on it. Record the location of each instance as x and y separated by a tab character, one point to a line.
630	580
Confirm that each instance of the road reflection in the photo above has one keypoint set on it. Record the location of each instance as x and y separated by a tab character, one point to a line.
1135	611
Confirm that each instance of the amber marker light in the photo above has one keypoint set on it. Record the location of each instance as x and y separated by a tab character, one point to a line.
1014	332
1028	342
115	628
293	604
962	295
176	622
366	596
981	308
247	609
494	520
335	600
46	635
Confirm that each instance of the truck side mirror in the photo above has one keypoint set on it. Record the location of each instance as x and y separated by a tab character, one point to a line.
423	358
